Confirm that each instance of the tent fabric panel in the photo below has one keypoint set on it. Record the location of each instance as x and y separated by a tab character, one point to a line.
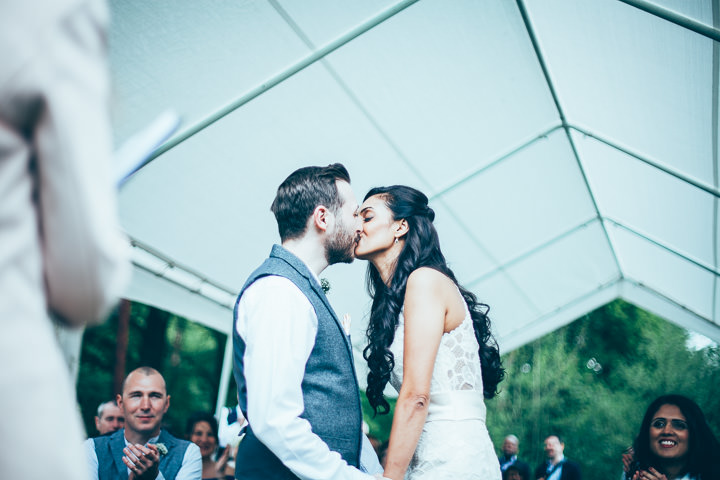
243	160
160	293
632	77
324	20
526	200
462	104
566	269
193	58
648	299
542	325
509	307
649	200
683	282
464	254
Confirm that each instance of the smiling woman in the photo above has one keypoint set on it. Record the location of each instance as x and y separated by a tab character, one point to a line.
674	443
202	430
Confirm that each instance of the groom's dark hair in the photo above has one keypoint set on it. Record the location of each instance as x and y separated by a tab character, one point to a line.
301	192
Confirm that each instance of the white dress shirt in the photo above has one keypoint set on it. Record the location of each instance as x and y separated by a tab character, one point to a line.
278	325
191	468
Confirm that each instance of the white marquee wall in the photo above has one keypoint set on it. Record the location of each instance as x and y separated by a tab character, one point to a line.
569	147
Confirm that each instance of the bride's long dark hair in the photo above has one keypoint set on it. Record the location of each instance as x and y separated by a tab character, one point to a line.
421	249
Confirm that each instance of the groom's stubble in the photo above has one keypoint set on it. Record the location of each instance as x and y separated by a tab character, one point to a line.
340	246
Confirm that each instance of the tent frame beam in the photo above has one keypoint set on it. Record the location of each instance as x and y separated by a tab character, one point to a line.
676	18
563	119
297	67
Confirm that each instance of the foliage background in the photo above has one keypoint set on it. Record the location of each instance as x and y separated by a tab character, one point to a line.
187	354
554	385
589	382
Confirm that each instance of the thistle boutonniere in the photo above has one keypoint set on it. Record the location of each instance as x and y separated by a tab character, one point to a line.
325	285
162	449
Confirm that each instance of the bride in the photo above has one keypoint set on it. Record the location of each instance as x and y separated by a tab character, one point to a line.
430	339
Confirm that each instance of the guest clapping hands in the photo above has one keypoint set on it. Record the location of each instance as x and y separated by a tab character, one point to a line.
674	443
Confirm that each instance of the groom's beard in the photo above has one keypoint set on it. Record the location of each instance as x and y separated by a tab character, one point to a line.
340	247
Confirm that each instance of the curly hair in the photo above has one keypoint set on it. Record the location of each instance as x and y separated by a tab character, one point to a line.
703	447
421	249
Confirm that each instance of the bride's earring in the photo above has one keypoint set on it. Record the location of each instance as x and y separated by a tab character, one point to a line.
396	240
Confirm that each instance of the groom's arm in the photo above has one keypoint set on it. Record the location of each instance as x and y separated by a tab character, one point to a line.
278	324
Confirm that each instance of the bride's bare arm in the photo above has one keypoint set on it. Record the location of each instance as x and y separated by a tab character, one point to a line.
425	310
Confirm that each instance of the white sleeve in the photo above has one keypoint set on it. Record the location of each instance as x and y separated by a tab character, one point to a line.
191	465
91	456
278	325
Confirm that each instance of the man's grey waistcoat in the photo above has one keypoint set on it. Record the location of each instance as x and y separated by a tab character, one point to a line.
109	451
330	390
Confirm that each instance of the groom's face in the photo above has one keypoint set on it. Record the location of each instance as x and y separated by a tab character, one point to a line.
340	244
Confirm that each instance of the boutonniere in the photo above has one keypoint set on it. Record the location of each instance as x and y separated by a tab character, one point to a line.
325	285
162	449
346	320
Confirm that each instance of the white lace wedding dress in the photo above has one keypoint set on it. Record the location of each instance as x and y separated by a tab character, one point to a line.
454	443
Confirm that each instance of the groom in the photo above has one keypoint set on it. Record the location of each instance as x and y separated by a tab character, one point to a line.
293	362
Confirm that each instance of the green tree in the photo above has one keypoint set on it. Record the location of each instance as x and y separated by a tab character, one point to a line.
188	355
591	381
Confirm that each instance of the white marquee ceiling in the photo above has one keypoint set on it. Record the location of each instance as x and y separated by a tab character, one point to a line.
569	147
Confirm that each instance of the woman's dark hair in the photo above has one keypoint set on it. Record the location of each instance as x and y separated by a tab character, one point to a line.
703	447
421	249
196	417
514	468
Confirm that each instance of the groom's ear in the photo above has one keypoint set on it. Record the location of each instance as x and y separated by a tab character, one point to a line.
320	218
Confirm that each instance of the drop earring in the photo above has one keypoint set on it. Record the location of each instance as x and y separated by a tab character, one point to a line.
396	240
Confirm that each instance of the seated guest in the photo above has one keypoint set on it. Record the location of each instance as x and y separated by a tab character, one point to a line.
674	443
557	467
142	450
109	418
510	456
515	472
202	430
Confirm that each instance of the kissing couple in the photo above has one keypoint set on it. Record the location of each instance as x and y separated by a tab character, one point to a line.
427	336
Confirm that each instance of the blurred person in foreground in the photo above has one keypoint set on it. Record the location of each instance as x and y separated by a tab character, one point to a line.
202	430
110	418
61	250
142	450
293	360
674	443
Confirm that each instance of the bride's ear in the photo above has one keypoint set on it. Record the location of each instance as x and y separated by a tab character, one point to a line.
401	228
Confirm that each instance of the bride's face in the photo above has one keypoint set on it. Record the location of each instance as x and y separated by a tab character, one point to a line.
378	228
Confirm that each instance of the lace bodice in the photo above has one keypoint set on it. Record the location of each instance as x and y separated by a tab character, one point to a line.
454	442
457	365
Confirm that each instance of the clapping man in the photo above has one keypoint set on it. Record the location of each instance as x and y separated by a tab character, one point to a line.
143	450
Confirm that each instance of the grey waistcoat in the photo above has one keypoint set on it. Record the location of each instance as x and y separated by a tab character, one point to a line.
330	389
109	451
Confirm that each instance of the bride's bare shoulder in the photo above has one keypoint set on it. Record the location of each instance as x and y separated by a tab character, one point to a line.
429	279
